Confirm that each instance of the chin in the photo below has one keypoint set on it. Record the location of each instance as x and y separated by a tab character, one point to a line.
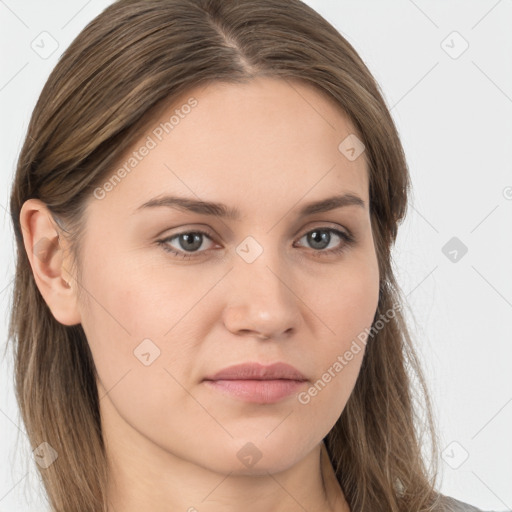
257	457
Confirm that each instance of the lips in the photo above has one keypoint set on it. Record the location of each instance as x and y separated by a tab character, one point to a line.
257	383
257	371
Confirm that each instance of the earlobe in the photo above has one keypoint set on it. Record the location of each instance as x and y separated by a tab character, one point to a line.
45	249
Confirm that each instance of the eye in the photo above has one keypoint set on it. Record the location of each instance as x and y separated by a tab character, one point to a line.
191	241
321	238
188	240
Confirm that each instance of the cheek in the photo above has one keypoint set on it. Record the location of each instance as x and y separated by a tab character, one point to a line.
118	317
130	299
346	308
345	301
125	324
141	324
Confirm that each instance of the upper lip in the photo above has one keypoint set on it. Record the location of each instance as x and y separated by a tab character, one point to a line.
257	371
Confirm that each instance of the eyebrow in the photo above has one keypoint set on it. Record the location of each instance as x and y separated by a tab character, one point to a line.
222	210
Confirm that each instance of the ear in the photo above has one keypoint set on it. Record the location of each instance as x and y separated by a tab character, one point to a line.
46	251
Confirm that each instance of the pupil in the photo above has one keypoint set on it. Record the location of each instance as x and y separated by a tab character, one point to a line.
324	236
195	237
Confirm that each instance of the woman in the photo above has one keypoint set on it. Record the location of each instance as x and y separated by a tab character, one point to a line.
205	315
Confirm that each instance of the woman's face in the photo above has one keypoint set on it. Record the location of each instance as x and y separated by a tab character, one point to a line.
158	323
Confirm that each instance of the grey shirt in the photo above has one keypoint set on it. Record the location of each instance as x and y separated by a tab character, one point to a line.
453	505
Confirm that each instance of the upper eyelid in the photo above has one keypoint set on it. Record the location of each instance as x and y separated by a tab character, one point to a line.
208	231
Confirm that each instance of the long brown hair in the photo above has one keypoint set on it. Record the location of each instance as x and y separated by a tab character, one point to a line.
132	59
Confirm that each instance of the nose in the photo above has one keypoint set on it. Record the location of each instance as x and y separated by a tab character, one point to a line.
262	300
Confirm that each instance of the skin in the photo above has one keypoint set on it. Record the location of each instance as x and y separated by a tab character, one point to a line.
266	148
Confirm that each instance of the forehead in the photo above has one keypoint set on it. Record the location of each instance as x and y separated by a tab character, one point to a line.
258	143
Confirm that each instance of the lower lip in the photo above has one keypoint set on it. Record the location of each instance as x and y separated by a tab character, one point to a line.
257	391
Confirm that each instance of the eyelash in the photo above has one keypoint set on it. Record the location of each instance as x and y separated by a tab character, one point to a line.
348	239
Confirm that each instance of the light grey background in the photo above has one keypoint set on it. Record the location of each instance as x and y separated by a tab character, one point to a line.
454	115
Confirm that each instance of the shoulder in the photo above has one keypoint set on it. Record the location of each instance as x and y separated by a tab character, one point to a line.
448	504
